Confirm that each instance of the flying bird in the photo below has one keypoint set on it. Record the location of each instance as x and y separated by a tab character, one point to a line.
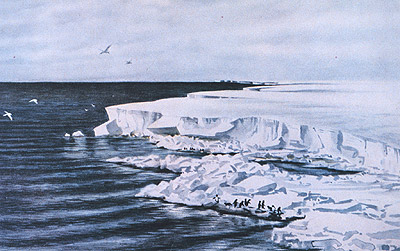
8	114
129	61
106	50
93	105
33	100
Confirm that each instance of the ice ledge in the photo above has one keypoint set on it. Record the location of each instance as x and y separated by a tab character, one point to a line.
272	138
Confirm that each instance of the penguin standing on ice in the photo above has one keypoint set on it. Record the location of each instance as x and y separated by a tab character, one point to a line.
216	198
235	203
279	211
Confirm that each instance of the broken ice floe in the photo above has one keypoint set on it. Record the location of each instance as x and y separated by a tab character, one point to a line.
173	163
324	209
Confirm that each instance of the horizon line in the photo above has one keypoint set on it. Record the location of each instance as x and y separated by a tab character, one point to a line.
241	82
101	82
223	81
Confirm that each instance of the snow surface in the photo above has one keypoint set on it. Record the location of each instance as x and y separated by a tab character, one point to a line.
334	190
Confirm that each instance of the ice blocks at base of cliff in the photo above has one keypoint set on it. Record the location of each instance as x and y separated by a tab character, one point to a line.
345	218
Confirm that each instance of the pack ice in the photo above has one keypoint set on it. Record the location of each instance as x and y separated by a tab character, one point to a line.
284	155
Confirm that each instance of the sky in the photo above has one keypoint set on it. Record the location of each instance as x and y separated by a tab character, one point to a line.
188	40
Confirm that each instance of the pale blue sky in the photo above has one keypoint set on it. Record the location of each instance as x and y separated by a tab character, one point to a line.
199	40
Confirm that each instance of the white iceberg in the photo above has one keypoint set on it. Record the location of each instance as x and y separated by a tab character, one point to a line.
77	134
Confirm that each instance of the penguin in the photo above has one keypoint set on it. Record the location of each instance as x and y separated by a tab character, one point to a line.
216	198
279	211
235	203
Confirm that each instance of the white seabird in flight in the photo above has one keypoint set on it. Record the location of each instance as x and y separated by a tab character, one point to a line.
34	101
106	50
8	114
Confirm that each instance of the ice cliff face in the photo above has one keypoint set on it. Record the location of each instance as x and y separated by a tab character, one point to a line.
265	137
261	152
126	122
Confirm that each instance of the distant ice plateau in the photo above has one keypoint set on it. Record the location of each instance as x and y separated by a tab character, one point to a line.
291	146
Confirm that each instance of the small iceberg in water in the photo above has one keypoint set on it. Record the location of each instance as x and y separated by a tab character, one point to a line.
78	134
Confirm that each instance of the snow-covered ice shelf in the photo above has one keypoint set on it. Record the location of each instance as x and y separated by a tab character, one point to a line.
286	154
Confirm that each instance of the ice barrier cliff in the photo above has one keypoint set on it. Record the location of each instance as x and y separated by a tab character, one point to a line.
249	118
271	132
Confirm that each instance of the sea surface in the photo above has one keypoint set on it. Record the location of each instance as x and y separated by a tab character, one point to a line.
59	193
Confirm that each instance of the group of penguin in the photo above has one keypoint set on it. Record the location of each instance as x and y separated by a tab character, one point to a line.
193	149
260	208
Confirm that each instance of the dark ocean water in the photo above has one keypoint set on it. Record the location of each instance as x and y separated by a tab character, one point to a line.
57	193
